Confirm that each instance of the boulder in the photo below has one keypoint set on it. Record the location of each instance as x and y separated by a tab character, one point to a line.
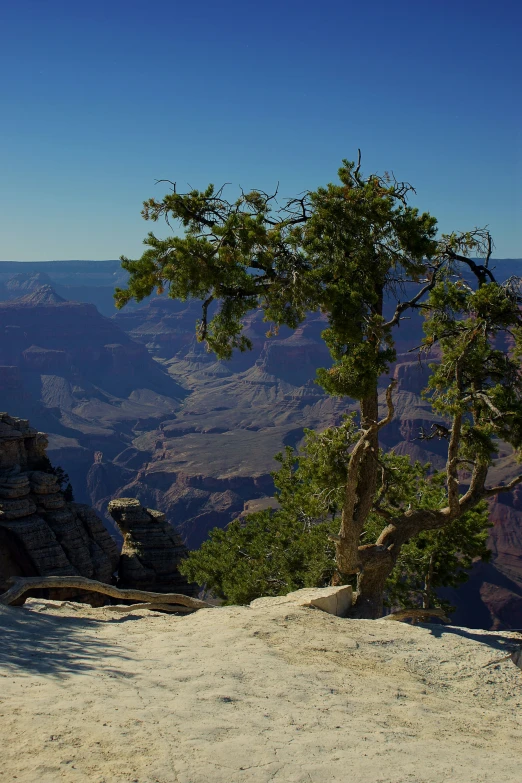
333	600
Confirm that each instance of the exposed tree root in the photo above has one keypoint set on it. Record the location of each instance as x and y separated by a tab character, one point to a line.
22	585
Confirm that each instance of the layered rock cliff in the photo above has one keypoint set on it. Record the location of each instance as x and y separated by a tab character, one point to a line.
43	533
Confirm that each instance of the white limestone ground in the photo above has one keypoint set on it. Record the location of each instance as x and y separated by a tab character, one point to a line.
267	693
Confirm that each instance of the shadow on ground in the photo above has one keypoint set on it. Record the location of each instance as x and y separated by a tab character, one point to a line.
496	642
39	643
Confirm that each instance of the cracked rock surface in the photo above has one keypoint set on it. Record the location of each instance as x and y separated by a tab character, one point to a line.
251	695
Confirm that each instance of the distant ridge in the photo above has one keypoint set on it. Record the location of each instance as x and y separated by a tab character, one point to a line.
16	266
59	268
45	295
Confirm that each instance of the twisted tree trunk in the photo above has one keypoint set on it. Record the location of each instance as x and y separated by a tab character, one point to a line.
378	560
360	487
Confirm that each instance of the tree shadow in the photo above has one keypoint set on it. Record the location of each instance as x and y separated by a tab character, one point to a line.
495	641
49	645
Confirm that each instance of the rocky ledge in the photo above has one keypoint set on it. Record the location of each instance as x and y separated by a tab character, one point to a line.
44	534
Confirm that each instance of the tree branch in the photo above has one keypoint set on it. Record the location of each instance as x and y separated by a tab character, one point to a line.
481	271
389	402
503	488
402	306
202	330
484	397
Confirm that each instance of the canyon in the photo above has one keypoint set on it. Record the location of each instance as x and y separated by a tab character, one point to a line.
135	407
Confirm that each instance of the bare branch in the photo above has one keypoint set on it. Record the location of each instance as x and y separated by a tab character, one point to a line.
489	251
402	306
481	271
169	181
358	168
202	327
389	403
503	488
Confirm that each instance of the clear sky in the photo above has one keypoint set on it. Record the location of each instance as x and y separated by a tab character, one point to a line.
101	98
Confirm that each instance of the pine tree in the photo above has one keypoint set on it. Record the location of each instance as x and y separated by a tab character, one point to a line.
345	250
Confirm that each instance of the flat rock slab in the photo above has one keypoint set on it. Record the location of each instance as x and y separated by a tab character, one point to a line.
333	600
275	694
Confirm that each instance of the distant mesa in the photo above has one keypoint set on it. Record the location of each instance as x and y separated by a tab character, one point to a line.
76	281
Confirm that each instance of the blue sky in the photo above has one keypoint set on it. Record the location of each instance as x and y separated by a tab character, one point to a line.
100	99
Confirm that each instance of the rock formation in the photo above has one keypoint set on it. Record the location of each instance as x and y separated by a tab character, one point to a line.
41	533
151	550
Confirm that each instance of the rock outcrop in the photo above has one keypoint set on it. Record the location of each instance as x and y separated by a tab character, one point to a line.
41	532
152	550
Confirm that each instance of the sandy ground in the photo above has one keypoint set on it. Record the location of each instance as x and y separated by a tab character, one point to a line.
273	693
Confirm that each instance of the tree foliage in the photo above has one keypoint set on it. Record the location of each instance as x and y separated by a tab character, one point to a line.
348	250
275	551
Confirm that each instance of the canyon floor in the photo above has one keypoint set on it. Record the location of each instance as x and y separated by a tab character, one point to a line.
266	693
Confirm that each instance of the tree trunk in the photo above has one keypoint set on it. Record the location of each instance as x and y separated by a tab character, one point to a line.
360	494
426	598
360	488
371	581
369	468
378	560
